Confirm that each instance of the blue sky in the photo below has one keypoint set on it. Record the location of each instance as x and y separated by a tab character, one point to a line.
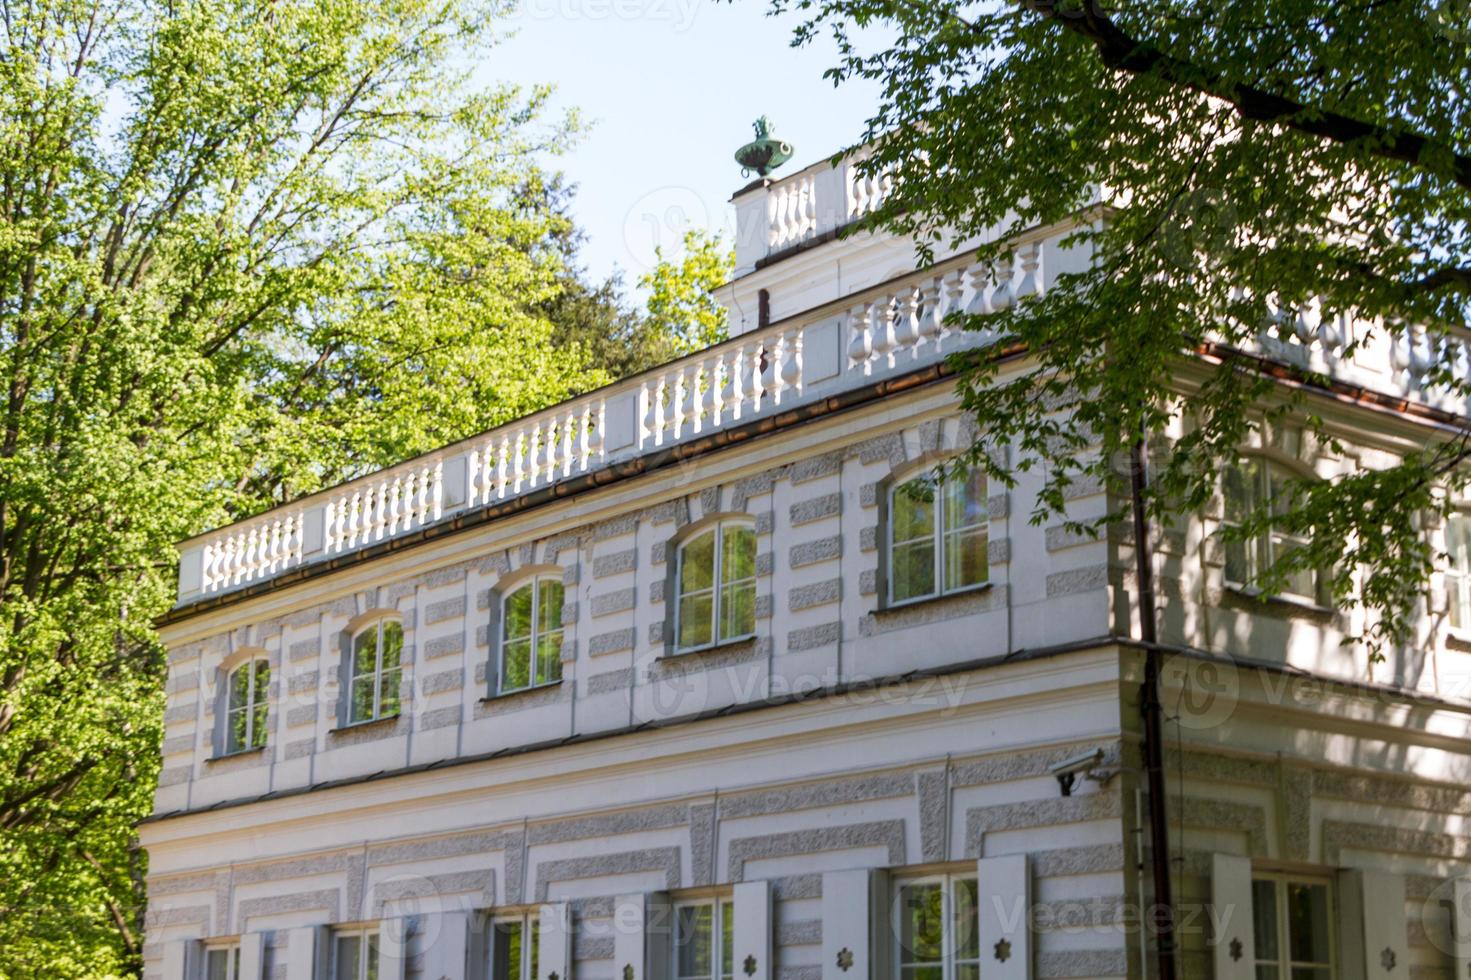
670	88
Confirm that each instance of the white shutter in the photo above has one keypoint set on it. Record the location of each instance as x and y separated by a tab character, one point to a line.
1232	941
554	927
1373	933
1461	925
393	948
641	936
752	958
853	905
253	956
1004	907
181	959
306	947
445	941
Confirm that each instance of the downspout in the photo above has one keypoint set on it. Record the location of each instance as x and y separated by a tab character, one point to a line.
1163	909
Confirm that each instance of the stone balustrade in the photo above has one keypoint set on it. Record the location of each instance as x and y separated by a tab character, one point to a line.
773	215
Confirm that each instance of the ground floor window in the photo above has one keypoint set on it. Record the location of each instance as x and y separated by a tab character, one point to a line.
222	963
937	928
704	940
513	947
355	956
1292	920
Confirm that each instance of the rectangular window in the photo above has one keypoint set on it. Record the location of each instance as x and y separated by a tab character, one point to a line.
1292	920
513	948
937	928
1458	570
355	956
222	963
938	536
704	940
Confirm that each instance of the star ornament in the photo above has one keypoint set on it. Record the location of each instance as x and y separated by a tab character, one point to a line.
845	959
749	966
1236	950
1003	950
1387	959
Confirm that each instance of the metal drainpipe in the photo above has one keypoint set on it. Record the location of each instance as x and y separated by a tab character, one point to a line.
1159	836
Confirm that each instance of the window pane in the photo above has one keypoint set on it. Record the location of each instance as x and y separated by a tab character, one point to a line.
1267	971
549	612
697	563
921	923
517	614
365	652
258	724
967	923
372	972
535	946
515	665
738	610
912	570
235	725
505	950
217	966
922	973
1238	566
239	686
393	644
692	941
262	681
737	553
694	620
912	510
362	698
965	501
1280	488
549	657
1307	922
1264	918
349	949
727	939
965	558
1238	488
388	692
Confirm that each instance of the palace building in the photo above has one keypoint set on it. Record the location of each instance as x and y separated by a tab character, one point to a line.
703	676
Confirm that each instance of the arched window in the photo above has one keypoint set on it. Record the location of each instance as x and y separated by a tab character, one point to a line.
246	706
938	535
377	653
1458	570
531	635
716	580
1253	483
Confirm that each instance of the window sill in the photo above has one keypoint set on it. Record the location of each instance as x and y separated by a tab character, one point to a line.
1458	639
1285	602
929	600
367	723
237	754
520	691
738	641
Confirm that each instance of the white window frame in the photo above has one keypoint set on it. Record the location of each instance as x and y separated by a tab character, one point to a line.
1457	580
366	935
232	961
380	625
947	883
534	584
1263	491
718	904
530	923
1284	965
938	533
717	584
248	708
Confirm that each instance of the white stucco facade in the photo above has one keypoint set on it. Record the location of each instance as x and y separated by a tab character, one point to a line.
847	748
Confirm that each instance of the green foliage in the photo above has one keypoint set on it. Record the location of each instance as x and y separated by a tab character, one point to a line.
1239	163
680	305
246	249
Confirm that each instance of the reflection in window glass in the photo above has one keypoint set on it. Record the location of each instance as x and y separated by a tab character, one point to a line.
376	669
531	635
1458	570
699	945
355	956
514	945
1245	487
222	963
938	929
938	535
248	706
716	582
1292	928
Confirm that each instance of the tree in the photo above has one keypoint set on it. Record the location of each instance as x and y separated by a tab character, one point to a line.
1241	167
681	308
246	249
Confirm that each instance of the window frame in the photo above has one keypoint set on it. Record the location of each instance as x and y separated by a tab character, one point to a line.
720	906
530	923
249	744
1280	881
379	625
1266	464
232	961
947	881
938	535
717	587
534	584
1457	579
366	936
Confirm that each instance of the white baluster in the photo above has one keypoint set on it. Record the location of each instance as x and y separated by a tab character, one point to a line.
354	519
791	368
329	527
1001	297
906	321
502	467
860	341
1031	284
883	331
396	506
436	496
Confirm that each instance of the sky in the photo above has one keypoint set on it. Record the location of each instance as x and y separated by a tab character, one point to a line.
669	89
